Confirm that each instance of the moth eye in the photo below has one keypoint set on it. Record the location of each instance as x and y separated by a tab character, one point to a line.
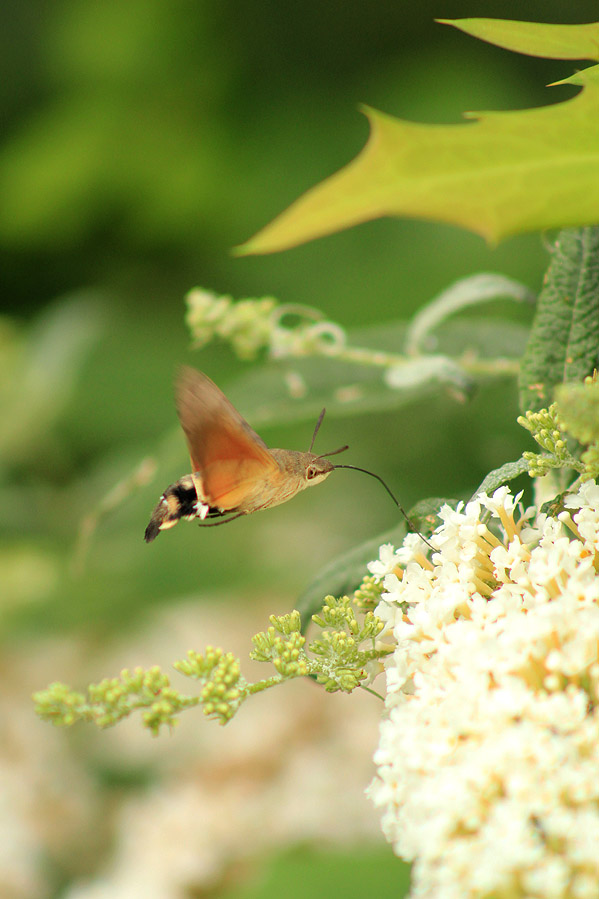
311	472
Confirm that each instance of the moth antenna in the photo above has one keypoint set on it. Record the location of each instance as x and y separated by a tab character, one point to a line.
394	498
318	424
334	453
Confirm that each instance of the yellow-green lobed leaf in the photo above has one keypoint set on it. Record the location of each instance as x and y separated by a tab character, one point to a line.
534	38
504	173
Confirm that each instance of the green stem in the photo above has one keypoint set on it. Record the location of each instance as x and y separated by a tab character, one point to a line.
374	693
368	655
265	684
379	359
499	366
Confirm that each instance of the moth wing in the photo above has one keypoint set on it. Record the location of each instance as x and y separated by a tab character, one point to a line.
228	486
229	456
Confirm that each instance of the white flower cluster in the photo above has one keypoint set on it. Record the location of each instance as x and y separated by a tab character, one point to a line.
488	760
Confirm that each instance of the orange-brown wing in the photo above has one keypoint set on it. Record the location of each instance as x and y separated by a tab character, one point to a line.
227	453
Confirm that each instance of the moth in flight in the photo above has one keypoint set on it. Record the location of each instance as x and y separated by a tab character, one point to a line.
233	472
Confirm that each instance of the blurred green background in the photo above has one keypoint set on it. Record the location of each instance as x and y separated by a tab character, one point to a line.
141	141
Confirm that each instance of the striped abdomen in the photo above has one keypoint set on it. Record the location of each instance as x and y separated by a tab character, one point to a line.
180	500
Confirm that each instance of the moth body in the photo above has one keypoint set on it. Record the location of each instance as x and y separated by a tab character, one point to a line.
295	471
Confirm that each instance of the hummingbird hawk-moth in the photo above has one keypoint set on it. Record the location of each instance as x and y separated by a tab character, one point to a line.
234	473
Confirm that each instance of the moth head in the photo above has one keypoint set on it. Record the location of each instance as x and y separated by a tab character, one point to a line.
317	469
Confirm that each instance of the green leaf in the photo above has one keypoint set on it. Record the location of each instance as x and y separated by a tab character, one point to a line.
534	38
471	291
480	336
263	396
503	174
500	476
344	574
487	339
564	342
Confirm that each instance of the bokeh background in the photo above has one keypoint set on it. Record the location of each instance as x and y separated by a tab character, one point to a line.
141	141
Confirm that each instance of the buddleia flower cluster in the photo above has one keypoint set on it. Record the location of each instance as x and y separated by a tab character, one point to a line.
488	759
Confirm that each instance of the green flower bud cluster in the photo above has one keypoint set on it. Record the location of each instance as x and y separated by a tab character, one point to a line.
547	430
544	427
115	698
223	688
283	645
253	325
590	460
336	660
247	324
61	705
368	595
578	406
341	661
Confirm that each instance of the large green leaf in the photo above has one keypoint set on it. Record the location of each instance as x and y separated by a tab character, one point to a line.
263	396
347	389
534	38
503	174
564	342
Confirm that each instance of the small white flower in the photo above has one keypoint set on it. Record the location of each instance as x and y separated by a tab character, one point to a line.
386	562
